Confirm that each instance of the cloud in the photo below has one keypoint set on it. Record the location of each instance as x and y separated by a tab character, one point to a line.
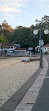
5	8
14	5
11	5
44	0
41	0
11	9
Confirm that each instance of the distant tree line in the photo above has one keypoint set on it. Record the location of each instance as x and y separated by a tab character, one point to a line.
23	35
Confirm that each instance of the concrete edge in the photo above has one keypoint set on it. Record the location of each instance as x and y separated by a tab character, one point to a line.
30	97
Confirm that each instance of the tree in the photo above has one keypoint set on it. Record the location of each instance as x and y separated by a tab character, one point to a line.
25	36
0	29
45	25
7	30
6	27
3	39
20	36
45	19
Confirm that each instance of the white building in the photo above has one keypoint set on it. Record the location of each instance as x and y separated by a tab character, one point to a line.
45	48
7	49
21	51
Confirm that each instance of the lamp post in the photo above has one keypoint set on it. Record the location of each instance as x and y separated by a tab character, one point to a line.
41	59
36	32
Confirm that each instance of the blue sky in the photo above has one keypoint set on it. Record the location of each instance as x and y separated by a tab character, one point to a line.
23	12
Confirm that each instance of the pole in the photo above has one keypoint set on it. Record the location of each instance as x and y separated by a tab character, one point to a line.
41	62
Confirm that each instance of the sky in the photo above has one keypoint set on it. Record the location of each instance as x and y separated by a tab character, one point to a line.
23	12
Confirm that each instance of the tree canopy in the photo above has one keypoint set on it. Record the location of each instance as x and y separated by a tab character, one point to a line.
3	39
23	35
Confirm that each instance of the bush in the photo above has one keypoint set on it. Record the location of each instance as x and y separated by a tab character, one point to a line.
46	53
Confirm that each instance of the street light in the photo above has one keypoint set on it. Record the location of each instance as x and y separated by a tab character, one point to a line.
36	32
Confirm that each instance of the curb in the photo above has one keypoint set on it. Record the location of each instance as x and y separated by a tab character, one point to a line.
30	97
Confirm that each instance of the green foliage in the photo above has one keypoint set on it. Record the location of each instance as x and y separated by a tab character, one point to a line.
46	53
23	35
6	30
3	39
5	26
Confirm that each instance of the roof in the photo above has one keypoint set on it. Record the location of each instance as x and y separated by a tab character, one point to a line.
20	49
7	45
47	45
18	45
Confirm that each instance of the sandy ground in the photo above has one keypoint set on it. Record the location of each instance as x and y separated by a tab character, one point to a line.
13	74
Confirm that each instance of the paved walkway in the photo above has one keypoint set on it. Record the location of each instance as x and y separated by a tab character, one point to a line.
37	96
42	102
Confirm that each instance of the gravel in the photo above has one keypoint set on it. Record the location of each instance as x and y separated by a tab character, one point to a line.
13	74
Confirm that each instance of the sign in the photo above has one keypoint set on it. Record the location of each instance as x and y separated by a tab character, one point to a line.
41	42
30	48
